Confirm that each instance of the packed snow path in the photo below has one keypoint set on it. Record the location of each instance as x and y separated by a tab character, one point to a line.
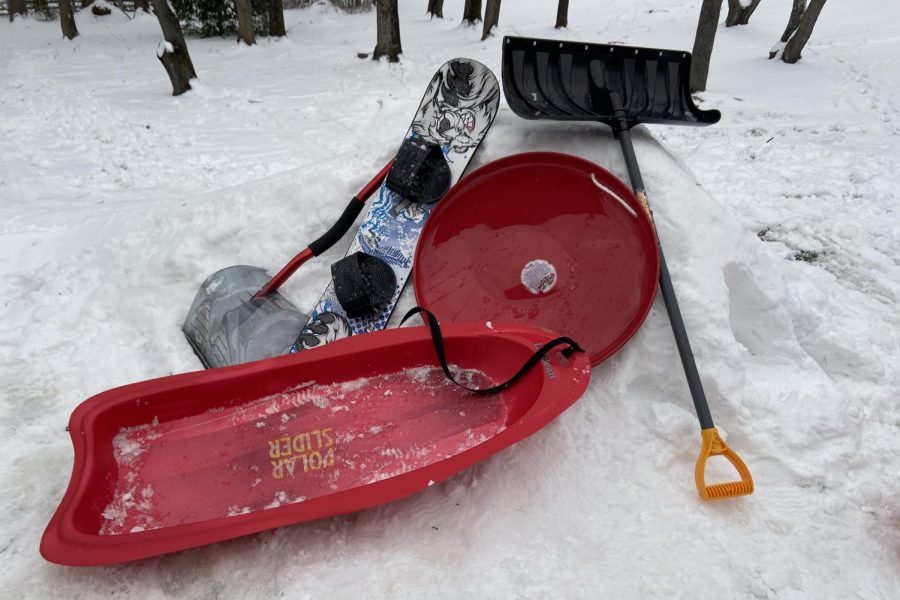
780	227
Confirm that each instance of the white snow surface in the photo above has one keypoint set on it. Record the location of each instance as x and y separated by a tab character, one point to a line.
117	200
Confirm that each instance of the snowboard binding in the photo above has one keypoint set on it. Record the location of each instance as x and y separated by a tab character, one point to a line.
363	284
420	172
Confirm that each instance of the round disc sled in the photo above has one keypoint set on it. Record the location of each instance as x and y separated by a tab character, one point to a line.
191	459
543	238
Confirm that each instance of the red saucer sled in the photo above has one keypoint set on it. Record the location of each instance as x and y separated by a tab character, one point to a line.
543	238
191	459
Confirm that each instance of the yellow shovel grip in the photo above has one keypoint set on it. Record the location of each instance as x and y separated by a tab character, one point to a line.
714	445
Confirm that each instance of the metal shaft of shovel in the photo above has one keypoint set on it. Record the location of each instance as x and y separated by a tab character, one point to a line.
668	292
328	239
711	444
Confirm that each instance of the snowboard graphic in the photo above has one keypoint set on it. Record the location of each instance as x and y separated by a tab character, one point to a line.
456	112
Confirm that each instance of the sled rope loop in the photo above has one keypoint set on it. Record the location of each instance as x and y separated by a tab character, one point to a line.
571	348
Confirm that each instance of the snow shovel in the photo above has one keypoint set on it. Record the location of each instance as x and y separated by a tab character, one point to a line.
623	86
238	315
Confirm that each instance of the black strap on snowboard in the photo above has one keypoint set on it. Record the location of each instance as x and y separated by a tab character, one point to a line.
438	340
420	172
363	284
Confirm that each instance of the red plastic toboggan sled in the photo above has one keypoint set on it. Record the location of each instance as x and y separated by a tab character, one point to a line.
187	460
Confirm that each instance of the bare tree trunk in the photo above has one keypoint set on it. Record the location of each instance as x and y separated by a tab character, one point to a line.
388	21
245	32
142	4
276	18
173	52
44	8
797	41
67	19
793	22
562	14
703	43
737	14
797	11
351	6
491	17
16	7
472	12
436	8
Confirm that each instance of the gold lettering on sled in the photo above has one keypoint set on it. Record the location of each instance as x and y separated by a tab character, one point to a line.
288	449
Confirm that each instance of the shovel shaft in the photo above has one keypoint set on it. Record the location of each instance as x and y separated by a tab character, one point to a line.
376	182
285	272
712	443
684	345
330	237
668	292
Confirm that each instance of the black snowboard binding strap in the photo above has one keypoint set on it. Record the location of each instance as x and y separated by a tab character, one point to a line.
438	339
363	284
420	172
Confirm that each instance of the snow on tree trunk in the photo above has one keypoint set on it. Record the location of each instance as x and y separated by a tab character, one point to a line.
245	32
562	14
491	17
472	12
173	52
388	22
793	22
739	12
276	18
795	44
67	19
436	8
703	43
16	7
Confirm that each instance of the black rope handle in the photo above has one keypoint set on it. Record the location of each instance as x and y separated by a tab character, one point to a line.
438	340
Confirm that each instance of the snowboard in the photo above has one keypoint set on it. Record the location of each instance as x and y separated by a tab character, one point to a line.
456	112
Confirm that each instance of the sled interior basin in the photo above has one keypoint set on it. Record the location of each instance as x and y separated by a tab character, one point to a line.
185	460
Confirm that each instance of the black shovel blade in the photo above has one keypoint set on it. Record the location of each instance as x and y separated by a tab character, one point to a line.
225	326
575	81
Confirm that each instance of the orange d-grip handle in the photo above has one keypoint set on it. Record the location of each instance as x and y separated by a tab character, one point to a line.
714	445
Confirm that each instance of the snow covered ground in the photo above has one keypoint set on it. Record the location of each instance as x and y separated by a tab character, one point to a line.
116	200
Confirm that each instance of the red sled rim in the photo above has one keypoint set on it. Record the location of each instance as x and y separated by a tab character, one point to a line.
543	238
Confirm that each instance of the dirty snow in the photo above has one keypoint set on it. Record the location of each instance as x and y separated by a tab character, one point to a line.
780	226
